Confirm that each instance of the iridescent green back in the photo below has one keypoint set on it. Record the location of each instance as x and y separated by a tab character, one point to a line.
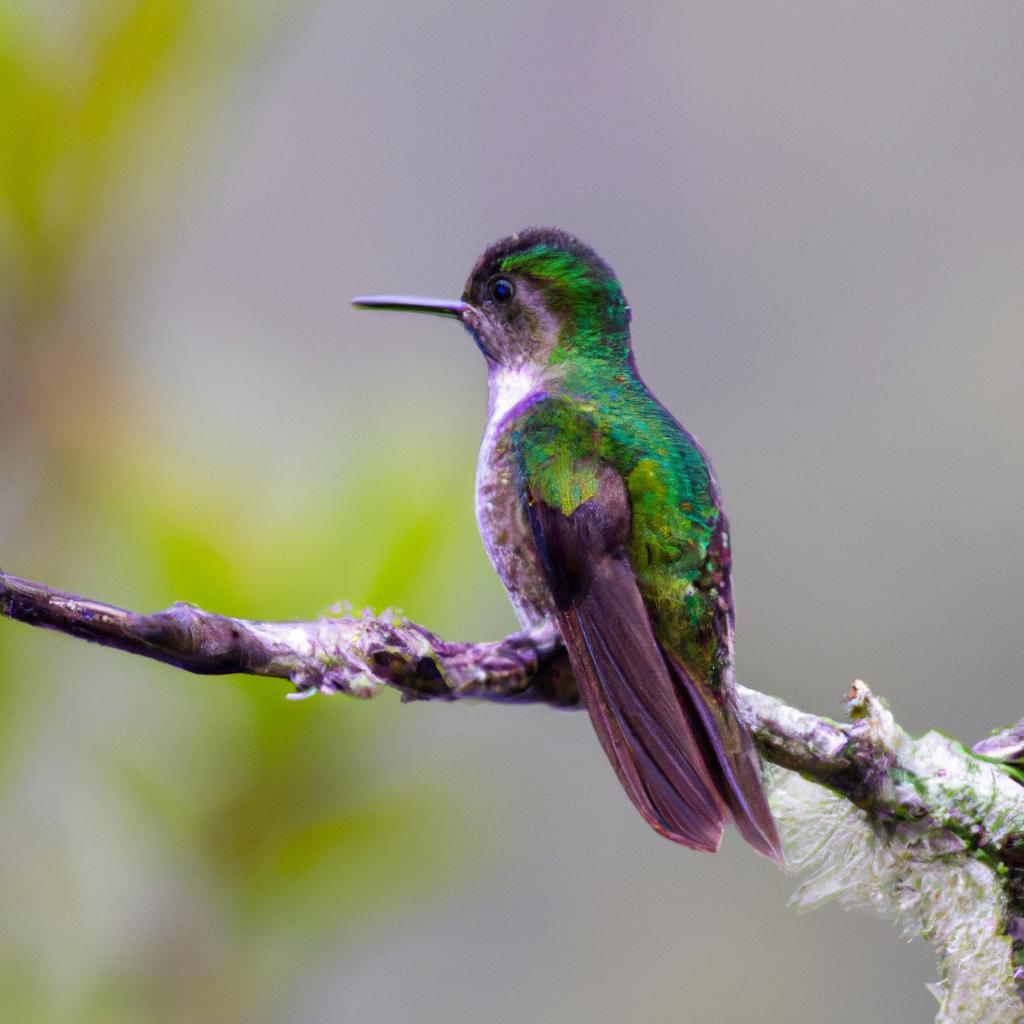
677	532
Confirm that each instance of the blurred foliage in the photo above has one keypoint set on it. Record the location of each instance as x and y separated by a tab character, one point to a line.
68	111
177	848
84	88
64	121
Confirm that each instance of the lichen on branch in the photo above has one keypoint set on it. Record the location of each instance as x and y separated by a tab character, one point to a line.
921	829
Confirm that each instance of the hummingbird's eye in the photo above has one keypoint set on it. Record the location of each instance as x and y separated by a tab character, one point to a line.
501	290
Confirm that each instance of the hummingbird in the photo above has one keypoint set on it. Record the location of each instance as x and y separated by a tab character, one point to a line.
602	515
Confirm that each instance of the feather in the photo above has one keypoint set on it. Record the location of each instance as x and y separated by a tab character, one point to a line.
687	764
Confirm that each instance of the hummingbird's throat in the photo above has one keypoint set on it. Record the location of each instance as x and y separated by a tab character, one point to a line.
511	386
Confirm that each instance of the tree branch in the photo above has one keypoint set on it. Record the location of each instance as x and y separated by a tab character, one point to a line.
927	798
356	655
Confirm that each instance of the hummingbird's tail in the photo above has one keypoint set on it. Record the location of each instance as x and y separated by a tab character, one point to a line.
731	760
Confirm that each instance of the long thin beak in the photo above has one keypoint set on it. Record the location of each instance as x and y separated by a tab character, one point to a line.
414	304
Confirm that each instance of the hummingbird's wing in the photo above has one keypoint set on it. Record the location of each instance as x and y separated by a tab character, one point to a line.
687	764
738	764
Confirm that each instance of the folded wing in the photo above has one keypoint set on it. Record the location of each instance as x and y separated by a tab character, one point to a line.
683	757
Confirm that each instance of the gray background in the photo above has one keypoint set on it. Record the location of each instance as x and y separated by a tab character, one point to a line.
816	212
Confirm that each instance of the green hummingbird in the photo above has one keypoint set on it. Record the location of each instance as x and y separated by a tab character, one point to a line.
602	515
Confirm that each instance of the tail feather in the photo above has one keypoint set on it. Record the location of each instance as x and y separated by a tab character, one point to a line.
733	762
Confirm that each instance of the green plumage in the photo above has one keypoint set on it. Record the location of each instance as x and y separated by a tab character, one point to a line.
601	515
602	413
561	442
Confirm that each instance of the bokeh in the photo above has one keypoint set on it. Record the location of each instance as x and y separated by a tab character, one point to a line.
817	214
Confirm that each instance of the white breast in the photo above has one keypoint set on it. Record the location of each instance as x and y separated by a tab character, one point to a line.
508	387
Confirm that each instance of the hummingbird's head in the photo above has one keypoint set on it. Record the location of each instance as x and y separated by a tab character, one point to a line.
543	295
538	297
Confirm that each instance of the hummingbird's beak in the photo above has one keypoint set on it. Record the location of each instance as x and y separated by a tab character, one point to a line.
414	304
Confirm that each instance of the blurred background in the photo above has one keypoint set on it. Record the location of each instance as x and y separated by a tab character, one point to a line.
817	214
